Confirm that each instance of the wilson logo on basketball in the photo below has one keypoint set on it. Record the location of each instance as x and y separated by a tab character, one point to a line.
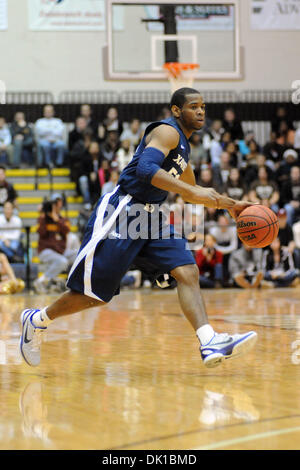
246	224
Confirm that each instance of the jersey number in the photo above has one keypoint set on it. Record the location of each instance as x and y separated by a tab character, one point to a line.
174	173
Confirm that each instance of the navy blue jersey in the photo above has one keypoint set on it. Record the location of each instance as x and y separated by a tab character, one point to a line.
175	163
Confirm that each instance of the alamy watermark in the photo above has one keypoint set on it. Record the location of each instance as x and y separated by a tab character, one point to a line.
296	93
295	357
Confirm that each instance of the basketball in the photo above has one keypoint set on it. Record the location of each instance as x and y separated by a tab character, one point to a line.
257	226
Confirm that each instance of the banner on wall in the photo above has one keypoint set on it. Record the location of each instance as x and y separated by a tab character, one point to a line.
275	14
196	17
3	15
69	15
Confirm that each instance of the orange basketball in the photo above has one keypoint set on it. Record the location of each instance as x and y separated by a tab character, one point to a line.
257	226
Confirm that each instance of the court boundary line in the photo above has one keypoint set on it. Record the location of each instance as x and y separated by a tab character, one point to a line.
252	437
195	431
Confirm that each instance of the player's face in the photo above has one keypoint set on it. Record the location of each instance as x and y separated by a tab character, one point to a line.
192	113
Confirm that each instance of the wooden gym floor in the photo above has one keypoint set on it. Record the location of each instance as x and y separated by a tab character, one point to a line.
129	376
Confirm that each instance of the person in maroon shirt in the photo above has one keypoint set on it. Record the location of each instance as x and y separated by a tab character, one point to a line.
209	261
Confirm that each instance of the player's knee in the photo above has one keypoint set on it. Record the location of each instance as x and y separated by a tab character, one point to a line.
188	274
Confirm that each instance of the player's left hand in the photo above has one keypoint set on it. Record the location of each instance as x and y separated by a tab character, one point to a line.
235	210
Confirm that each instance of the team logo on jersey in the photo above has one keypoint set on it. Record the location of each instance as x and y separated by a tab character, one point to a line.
180	161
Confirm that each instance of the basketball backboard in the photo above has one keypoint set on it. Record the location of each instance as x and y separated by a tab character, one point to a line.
142	36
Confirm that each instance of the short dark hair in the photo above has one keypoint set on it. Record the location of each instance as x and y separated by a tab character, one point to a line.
178	97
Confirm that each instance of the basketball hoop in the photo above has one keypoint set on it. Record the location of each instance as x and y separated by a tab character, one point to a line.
180	75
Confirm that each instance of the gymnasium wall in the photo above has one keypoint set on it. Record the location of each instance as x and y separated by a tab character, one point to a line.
59	61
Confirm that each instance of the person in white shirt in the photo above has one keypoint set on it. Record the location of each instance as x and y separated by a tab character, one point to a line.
10	232
50	138
227	241
5	142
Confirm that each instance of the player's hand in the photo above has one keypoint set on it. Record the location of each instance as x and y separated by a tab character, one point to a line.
236	210
206	196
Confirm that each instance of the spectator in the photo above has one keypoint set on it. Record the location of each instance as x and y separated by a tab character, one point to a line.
232	149
290	195
10	233
279	266
254	151
264	191
206	177
111	183
22	139
281	116
222	171
209	261
53	230
234	187
198	154
214	133
245	267
232	124
50	138
226	240
78	155
59	201
91	170
86	113
290	158
110	123
133	133
5	142
124	154
78	132
250	174
273	152
243	145
7	191
285	233
9	284
110	146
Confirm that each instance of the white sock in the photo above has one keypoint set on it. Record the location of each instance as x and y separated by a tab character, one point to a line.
205	333
41	319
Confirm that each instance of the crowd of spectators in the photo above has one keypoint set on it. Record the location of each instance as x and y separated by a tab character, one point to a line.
223	156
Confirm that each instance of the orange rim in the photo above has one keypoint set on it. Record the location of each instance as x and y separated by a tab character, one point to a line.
175	68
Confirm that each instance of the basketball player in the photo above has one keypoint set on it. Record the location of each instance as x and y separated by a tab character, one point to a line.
160	164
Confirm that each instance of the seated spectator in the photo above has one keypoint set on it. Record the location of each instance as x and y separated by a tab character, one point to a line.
290	158
92	167
124	154
250	173
264	191
9	284
221	172
10	233
110	146
7	191
133	133
232	149
254	151
198	154
86	113
110	123
226	240
5	142
235	187
53	230
207	178
211	217
281	116
273	152
243	145
290	195
209	261
22	140
78	154
59	201
286	236
50	139
110	185
232	124
279	266
78	132
245	267
213	133
285	135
